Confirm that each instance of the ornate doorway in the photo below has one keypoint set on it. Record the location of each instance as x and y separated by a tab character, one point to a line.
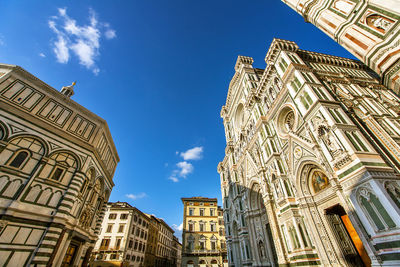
347	238
70	254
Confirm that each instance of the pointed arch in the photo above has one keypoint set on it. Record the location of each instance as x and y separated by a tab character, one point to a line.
306	166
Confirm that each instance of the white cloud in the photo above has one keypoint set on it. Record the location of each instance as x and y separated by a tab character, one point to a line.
195	153
178	231
173	178
110	34
177	227
135	197
83	41
185	168
42	55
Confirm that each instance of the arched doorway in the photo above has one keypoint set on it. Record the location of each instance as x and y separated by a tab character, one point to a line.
326	211
214	263
259	224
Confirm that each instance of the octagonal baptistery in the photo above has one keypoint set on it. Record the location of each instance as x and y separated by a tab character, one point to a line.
311	168
57	160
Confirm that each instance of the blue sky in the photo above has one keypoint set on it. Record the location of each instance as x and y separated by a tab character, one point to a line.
158	72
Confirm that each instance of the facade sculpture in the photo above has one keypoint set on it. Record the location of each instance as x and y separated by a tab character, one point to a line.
368	29
57	160
311	168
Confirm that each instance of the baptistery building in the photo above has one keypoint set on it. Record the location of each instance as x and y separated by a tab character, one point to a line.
310	175
57	161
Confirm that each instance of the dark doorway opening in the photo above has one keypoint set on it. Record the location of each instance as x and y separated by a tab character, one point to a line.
347	238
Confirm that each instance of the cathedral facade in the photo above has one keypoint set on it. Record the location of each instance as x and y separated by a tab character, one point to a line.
310	175
57	160
370	30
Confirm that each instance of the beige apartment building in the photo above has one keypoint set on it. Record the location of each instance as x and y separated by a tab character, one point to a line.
165	256
152	240
203	236
370	30
311	170
123	237
177	251
57	161
131	238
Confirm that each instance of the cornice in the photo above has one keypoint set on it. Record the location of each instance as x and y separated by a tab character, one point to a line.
331	60
19	71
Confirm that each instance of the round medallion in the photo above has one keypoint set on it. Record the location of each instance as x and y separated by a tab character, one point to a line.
298	152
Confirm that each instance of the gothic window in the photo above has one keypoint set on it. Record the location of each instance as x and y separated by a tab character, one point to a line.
356	141
320	92
303	236
306	100
294	238
282	64
296	84
308	77
19	159
375	210
287	187
280	166
319	181
337	115
293	58
284	232
272	143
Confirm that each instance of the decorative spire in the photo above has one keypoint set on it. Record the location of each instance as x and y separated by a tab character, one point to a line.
68	90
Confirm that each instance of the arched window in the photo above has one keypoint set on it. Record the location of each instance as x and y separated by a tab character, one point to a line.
63	161
90	177
19	159
375	210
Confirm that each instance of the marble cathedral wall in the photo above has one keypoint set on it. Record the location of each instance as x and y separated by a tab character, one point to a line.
368	29
311	172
